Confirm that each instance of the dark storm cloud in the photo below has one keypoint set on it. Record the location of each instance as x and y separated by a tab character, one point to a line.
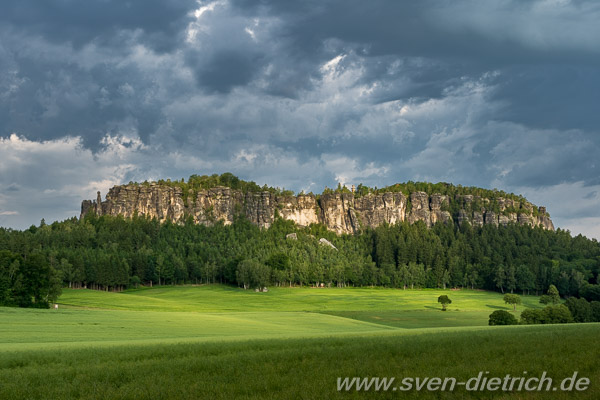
551	76
552	96
59	88
228	69
381	27
298	94
79	22
355	148
55	99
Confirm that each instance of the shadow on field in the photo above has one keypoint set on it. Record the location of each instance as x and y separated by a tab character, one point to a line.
496	307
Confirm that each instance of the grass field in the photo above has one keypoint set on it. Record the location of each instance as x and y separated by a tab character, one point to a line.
32	329
222	342
216	298
303	368
408	309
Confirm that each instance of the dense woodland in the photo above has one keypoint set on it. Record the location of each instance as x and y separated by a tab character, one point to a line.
112	253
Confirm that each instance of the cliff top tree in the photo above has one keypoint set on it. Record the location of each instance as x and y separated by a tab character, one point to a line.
445	300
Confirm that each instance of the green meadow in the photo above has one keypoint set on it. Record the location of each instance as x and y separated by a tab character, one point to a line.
217	298
222	342
35	329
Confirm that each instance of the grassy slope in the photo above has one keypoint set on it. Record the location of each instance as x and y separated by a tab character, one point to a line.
194	313
217	298
410	309
304	368
34	329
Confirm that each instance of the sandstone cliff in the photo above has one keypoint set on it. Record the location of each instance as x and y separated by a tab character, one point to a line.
340	212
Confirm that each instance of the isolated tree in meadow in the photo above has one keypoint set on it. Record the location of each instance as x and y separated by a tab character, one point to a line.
444	300
513	299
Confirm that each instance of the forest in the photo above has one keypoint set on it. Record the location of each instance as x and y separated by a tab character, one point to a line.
113	253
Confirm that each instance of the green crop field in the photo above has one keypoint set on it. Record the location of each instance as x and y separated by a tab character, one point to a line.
221	342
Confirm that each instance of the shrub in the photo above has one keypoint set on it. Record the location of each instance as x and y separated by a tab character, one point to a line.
580	309
502	317
557	314
552	314
531	316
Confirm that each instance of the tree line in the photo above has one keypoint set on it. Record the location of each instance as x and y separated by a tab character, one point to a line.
574	309
113	253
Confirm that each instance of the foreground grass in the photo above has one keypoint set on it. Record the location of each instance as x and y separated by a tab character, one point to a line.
304	368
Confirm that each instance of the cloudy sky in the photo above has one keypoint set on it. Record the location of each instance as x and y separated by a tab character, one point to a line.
498	94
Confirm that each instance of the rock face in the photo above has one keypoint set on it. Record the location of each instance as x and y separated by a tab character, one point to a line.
340	212
476	211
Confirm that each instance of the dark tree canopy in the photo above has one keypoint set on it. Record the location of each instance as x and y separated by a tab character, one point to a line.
502	317
551	314
444	300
